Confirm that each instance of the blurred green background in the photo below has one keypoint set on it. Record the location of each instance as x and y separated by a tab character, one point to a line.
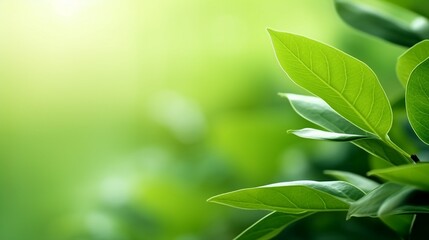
119	118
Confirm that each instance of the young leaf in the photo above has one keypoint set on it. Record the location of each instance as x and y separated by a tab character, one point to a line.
390	199
365	184
270	225
319	112
369	205
408	200
410	59
384	20
294	197
381	150
417	100
348	85
316	134
414	175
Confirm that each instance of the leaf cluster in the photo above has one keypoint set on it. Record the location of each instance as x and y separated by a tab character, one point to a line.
349	104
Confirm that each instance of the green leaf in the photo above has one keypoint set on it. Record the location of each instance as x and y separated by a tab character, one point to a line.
381	150
293	197
412	174
319	112
401	224
408	200
348	85
410	59
417	100
270	225
363	183
369	205
414	6
380	198
390	199
316	134
384	20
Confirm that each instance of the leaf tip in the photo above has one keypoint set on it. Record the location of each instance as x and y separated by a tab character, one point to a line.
350	213
290	96
212	199
283	95
219	199
272	32
349	216
370	173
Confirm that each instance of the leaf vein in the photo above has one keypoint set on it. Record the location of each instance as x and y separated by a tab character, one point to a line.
360	90
345	76
327	67
359	114
372	102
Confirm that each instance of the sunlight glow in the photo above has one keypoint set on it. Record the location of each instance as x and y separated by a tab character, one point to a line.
68	8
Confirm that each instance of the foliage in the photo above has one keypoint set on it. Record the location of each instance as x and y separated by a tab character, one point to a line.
351	105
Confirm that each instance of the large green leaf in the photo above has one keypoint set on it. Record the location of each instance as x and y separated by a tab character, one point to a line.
417	100
365	184
319	112
414	175
270	225
348	85
317	134
384	20
410	59
294	197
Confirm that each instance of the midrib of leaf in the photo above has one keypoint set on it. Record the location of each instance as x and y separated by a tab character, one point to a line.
297	208
300	209
335	90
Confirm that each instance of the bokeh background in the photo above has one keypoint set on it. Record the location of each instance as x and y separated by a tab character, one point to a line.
119	118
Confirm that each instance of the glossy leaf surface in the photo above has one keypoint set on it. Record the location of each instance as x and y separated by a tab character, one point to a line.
317	134
369	205
417	100
319	112
380	149
348	85
379	202
410	59
270	225
412	174
294	197
384	20
408	200
390	199
365	184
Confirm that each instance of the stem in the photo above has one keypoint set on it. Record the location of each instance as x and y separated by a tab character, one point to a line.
415	158
396	147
